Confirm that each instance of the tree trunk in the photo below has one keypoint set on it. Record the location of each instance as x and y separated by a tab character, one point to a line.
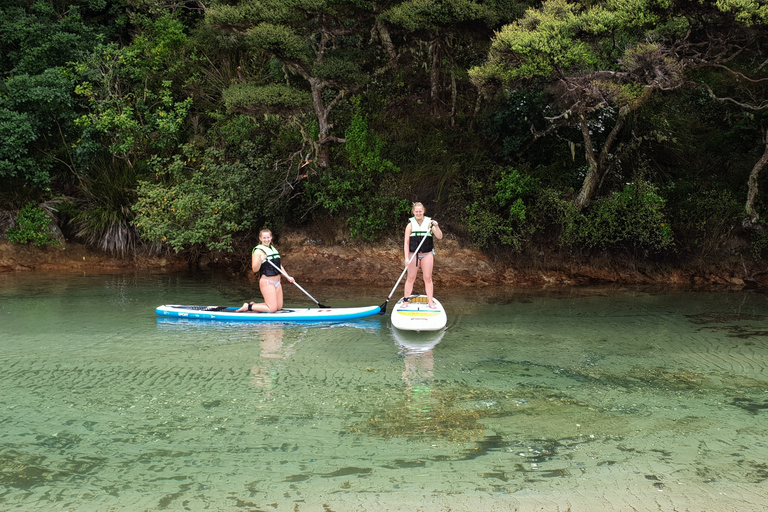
454	95
476	111
323	153
593	174
434	75
597	167
752	182
386	40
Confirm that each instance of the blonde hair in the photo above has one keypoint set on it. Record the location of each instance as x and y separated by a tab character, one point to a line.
414	205
265	230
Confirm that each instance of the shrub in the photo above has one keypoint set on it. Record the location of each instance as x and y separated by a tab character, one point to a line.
502	218
364	191
32	226
633	218
705	218
200	200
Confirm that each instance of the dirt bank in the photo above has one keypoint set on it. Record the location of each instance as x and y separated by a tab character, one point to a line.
378	265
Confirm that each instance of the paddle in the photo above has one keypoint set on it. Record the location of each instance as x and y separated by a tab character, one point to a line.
384	306
297	285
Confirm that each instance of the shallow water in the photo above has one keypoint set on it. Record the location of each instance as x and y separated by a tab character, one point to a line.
589	399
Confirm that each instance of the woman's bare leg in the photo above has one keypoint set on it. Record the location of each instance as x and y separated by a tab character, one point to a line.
279	297
427	263
273	297
413	270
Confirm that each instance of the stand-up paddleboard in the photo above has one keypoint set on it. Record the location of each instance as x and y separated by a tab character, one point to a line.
283	315
417	315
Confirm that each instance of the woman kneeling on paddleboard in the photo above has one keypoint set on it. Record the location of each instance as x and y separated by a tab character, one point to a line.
420	228
265	260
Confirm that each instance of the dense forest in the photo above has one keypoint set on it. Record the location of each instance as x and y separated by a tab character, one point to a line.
620	127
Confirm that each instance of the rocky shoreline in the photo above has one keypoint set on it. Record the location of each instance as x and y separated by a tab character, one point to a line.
376	264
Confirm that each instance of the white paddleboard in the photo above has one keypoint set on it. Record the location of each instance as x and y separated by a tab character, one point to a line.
416	315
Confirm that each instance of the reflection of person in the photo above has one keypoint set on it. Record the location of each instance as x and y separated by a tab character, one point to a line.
419	227
264	259
418	369
271	348
418	376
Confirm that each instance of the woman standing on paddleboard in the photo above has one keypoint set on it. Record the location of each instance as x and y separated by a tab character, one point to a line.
265	260
420	228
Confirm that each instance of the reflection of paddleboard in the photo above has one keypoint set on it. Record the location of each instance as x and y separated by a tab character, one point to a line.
417	315
414	342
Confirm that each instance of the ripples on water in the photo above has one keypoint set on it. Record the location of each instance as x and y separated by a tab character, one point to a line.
594	399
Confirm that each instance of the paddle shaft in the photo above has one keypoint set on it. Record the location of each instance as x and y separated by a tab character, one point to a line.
297	284
409	262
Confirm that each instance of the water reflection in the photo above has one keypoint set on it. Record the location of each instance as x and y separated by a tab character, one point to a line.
271	344
416	349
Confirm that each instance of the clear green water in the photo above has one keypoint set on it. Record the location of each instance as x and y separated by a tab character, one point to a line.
588	399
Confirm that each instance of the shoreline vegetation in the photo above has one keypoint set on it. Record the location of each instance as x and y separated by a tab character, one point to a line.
377	264
560	142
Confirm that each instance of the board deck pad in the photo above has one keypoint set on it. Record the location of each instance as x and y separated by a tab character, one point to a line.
284	315
417	315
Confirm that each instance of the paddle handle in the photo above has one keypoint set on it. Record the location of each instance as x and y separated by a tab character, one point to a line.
409	262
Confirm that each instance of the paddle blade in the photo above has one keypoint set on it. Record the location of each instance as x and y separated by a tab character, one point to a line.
383	307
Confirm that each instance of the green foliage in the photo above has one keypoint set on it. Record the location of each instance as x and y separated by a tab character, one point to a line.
338	67
502	218
32	226
562	37
435	14
705	218
202	200
314	40
633	219
281	41
513	117
35	113
103	218
749	12
758	243
237	130
156	49
364	148
97	96
132	120
17	131
364	191
543	41
41	37
273	95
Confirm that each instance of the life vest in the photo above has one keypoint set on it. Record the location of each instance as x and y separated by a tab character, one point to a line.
418	232
272	255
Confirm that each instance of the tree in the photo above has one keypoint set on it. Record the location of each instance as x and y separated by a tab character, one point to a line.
595	64
321	41
36	112
134	113
723	51
40	40
443	25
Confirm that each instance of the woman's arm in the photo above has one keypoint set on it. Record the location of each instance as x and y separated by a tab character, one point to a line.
257	259
289	278
407	242
436	230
